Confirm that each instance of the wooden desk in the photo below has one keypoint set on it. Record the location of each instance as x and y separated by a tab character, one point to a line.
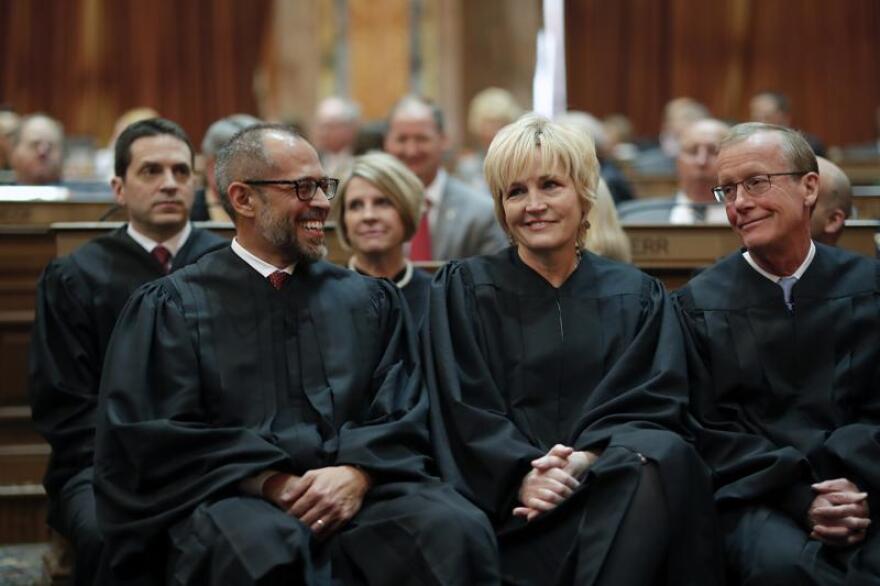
866	202
41	206
861	171
673	253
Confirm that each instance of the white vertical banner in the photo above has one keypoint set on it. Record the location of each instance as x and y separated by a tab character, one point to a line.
548	86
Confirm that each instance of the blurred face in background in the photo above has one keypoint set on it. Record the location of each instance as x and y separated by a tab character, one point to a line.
697	160
414	138
37	156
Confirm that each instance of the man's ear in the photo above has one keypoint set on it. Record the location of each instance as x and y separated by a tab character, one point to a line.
118	187
241	197
811	181
834	222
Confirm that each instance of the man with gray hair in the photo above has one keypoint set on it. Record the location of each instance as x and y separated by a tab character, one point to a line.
263	417
207	205
697	172
37	150
785	341
335	131
458	221
834	204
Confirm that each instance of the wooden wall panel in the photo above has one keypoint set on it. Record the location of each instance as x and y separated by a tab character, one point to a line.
379	53
632	56
87	61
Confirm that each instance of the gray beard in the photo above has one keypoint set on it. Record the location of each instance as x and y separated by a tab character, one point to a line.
281	233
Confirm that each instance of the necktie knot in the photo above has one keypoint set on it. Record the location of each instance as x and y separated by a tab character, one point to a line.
787	283
278	278
420	245
162	256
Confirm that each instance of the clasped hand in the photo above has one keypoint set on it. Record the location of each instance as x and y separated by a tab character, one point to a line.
324	499
553	478
839	513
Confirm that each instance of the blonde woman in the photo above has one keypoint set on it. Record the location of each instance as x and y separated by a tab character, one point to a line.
559	386
377	212
606	236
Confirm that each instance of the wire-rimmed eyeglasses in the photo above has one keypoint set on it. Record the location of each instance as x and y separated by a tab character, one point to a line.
755	185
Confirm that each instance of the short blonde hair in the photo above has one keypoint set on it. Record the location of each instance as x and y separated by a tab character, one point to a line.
492	103
606	236
515	148
392	178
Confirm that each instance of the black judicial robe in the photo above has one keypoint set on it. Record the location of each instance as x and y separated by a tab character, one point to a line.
416	294
598	363
787	398
79	298
233	378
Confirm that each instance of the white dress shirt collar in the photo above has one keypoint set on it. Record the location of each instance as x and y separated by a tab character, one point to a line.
173	244
255	262
775	278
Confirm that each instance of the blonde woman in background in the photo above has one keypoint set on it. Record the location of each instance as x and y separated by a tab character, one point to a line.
490	110
378	211
606	236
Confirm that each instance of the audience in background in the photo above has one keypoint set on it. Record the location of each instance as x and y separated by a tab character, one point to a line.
619	135
614	178
605	235
208	204
833	204
775	108
490	110
458	220
103	161
696	164
334	132
38	150
9	122
678	114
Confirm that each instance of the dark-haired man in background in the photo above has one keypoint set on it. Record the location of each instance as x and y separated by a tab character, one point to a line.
79	298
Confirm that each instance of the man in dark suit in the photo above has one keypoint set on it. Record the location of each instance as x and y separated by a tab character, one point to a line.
459	221
79	298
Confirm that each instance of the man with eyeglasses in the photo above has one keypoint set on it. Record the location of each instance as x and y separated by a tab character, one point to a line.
263	414
697	172
785	367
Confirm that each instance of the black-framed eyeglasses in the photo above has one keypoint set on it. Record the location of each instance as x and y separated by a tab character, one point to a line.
756	185
304	189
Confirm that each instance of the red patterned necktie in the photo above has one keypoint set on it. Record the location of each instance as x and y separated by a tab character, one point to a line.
163	257
420	246
278	278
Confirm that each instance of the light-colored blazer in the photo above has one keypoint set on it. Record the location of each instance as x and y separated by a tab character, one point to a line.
466	224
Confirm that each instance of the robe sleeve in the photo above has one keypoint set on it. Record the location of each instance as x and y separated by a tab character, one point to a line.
65	368
646	387
390	438
158	454
479	448
747	467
